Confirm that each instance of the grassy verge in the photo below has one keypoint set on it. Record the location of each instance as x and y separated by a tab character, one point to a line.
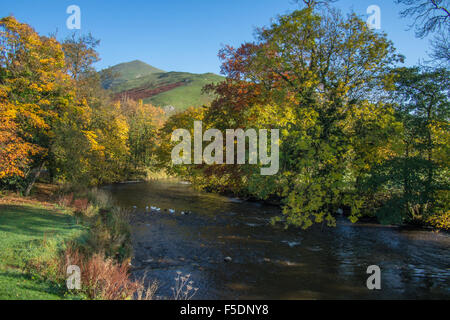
39	240
32	232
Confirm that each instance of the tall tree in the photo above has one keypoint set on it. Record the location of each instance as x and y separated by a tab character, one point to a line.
80	55
35	87
321	79
417	177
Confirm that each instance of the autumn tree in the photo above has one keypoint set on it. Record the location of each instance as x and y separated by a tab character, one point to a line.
178	120
322	80
36	91
91	145
80	55
144	121
54	113
15	152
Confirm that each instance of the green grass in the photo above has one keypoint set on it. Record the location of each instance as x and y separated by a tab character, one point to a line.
22	232
189	95
137	74
131	70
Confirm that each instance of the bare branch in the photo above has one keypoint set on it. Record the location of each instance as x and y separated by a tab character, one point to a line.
429	15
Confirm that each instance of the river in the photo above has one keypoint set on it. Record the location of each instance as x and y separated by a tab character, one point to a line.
269	262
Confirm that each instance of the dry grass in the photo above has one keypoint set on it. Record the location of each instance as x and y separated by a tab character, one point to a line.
146	293
102	278
184	287
65	200
15	199
80	205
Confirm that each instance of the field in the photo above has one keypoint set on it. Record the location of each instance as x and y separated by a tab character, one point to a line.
31	231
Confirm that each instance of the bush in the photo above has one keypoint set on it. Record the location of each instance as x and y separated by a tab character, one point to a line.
102	278
440	221
99	198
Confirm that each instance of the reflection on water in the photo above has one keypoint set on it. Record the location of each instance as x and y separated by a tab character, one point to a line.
272	263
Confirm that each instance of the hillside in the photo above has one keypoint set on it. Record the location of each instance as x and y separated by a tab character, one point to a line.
138	80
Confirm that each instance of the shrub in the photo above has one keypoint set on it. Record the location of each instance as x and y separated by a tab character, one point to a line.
102	278
100	198
65	200
146	293
440	221
80	205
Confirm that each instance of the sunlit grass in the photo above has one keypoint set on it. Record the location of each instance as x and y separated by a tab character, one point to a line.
30	232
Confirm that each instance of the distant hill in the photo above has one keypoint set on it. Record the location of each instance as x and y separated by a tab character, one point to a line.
138	80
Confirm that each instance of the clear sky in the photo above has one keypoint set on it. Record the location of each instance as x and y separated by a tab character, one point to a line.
186	35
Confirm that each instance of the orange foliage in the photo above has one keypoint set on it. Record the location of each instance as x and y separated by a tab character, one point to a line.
101	277
32	94
15	152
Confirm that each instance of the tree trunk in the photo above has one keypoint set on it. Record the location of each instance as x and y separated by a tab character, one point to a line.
429	182
36	175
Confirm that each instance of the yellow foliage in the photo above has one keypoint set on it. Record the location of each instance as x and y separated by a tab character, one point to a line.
441	220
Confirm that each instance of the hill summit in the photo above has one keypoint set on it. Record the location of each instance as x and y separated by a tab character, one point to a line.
139	80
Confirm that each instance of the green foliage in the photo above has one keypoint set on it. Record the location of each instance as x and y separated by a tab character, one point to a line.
416	176
356	132
311	76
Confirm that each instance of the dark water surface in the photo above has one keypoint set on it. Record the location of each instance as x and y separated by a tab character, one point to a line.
269	262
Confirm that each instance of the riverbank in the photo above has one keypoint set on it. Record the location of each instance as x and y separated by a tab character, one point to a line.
32	232
39	239
435	223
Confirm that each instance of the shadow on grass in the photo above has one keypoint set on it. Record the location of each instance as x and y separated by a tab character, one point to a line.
18	285
24	230
34	222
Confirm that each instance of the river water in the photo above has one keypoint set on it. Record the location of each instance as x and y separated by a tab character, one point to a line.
269	262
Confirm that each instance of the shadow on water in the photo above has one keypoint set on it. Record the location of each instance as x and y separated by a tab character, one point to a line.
269	262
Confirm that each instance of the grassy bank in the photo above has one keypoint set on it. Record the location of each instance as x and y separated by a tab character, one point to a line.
39	240
32	232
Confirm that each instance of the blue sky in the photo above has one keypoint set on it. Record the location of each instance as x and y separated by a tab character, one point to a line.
186	35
